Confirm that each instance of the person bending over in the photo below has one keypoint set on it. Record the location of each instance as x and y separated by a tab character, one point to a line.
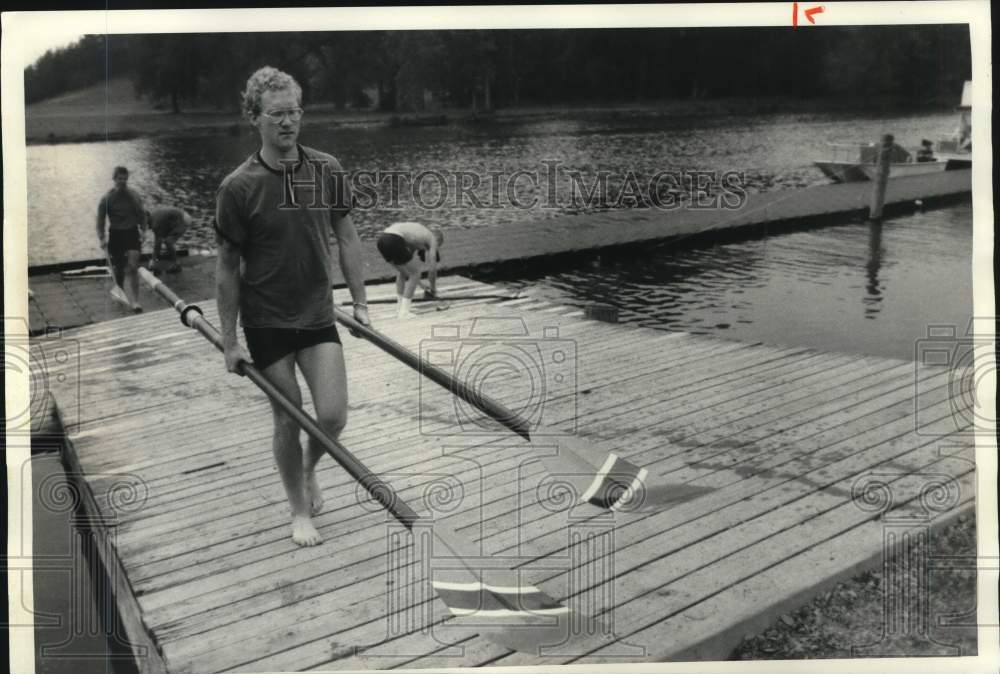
397	244
168	224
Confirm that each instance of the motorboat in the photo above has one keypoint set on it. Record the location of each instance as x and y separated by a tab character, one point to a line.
856	162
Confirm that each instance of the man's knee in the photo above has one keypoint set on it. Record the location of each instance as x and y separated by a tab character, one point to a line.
332	419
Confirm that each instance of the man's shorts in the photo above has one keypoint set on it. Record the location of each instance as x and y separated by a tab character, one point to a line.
120	241
394	249
269	345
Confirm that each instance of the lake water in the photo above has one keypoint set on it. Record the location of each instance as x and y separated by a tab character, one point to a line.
853	287
857	288
774	151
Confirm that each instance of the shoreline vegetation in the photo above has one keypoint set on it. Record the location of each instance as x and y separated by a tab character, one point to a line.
111	112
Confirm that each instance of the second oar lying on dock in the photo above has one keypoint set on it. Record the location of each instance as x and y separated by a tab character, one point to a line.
613	484
436	298
511	614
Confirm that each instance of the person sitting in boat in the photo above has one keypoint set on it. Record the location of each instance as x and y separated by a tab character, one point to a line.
168	224
926	151
397	245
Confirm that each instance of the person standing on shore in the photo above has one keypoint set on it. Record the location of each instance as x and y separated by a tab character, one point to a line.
168	224
122	208
397	244
272	217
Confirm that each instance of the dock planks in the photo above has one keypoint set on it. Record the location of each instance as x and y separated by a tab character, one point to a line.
767	448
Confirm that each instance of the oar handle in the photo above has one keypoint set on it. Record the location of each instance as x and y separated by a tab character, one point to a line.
192	317
505	416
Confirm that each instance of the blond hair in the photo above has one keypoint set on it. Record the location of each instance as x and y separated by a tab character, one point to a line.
266	79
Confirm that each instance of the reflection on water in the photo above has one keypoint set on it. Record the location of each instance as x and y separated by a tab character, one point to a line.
875	251
65	182
859	288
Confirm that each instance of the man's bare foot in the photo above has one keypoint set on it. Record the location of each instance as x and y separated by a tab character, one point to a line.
314	494
304	533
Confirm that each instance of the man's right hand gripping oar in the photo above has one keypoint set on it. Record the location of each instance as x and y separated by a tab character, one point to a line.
234	355
227	280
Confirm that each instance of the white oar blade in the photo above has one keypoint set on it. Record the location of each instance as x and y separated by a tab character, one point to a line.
512	614
494	601
118	295
606	480
489	603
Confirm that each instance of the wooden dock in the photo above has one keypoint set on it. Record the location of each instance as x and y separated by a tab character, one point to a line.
787	465
60	303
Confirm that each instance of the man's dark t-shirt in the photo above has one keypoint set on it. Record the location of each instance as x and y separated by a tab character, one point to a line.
282	228
123	209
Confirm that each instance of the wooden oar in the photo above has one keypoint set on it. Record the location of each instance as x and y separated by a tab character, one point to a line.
500	611
612	483
448	298
90	271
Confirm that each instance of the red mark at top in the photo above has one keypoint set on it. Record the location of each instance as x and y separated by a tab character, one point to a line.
809	13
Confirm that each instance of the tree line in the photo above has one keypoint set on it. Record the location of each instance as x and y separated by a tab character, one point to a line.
487	69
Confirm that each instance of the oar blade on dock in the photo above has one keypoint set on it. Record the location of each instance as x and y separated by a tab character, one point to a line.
518	616
606	480
495	601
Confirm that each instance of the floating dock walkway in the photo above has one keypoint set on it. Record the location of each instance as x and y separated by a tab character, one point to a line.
789	466
59	303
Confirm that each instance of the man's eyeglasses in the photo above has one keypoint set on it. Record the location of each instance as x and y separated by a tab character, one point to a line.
278	116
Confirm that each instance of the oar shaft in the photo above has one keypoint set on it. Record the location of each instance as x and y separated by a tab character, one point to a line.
448	298
491	407
379	490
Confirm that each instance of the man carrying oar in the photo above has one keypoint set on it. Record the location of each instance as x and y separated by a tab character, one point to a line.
274	212
122	208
